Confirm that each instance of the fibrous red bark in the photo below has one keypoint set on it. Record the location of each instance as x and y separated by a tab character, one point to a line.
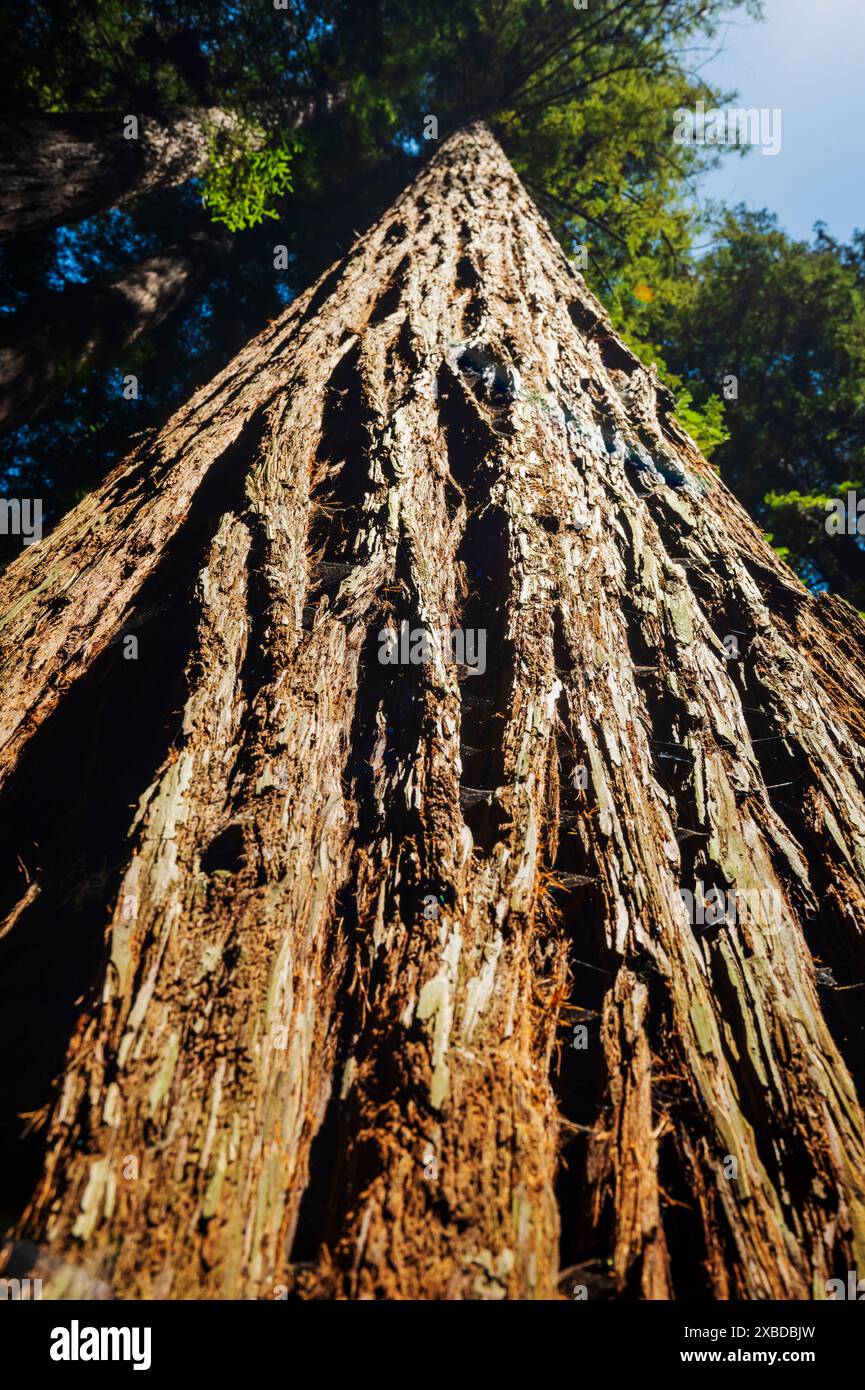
367	915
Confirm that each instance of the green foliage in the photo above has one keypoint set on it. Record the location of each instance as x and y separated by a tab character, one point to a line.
583	100
243	176
584	103
706	424
798	521
787	319
147	55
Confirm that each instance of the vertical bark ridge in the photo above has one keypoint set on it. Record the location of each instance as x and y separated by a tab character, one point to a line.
216	1013
63	600
730	865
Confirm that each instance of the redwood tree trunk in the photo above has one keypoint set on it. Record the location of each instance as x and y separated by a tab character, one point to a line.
58	169
55	343
360	912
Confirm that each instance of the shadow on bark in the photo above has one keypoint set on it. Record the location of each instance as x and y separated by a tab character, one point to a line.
64	824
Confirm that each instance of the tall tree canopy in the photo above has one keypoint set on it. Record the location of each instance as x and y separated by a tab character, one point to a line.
296	125
581	99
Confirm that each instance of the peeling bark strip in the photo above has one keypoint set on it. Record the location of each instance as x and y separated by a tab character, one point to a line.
364	906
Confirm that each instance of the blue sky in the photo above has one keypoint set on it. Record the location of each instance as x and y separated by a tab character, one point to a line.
808	58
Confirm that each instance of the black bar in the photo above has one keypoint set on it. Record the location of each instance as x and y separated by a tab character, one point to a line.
285	1341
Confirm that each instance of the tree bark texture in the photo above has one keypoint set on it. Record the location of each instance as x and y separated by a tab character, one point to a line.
59	169
56	342
358	913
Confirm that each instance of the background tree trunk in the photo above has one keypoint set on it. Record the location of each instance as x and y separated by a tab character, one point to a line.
55	343
361	909
58	169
